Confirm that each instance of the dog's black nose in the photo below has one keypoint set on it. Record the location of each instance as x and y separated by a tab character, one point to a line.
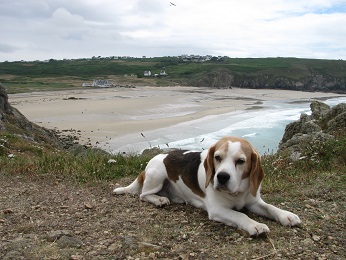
223	177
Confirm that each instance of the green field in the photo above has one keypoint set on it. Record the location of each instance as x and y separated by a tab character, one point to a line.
312	74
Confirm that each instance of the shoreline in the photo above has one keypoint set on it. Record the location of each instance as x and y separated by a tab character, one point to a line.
100	115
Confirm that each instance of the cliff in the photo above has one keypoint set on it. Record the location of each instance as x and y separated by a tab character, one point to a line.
314	82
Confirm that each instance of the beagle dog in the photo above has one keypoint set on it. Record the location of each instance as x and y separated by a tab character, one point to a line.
221	180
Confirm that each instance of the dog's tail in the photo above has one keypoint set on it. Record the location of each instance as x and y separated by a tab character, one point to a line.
134	188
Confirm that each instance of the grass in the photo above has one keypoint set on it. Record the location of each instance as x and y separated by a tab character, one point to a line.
318	160
56	75
15	85
87	165
28	84
18	156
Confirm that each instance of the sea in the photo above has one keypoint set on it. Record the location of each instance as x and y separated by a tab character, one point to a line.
263	127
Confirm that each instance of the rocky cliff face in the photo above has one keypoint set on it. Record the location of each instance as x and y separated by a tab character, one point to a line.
14	122
322	125
4	107
220	79
228	79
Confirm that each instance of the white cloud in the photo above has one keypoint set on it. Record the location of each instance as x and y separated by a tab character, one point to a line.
43	29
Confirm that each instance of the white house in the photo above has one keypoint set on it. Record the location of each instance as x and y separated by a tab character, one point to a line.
163	73
102	83
147	73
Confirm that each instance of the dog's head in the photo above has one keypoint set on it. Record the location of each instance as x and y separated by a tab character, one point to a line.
233	165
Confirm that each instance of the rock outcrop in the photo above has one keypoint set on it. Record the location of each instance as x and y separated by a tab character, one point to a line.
322	125
11	120
219	79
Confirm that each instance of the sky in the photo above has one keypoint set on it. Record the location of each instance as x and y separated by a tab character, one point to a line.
70	29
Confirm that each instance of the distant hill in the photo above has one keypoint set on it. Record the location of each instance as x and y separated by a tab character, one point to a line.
276	73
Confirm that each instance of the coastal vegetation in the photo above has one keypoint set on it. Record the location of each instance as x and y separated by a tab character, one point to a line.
221	72
20	155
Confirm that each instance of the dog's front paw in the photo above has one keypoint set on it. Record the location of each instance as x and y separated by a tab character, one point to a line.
162	201
155	199
287	218
258	229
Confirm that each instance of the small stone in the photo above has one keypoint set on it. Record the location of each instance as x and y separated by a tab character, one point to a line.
316	238
146	244
70	242
307	241
114	247
88	206
55	235
8	211
236	235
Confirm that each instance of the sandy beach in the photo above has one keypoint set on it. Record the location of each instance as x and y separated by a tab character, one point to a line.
102	115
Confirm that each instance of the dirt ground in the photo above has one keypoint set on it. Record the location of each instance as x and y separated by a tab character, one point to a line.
45	217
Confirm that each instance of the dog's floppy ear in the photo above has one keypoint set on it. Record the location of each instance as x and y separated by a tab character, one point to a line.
256	173
209	166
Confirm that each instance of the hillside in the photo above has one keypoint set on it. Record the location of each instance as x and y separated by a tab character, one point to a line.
278	73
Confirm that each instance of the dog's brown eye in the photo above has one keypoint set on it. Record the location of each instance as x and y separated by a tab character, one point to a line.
239	162
218	158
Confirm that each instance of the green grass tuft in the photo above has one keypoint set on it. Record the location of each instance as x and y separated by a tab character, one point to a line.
82	164
22	156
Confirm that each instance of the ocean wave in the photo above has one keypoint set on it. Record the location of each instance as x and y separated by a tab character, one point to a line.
264	128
